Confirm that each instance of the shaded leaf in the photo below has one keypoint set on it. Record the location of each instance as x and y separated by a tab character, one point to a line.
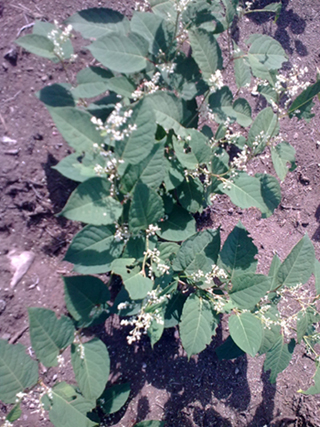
179	226
278	358
114	398
248	289
281	155
92	81
246	331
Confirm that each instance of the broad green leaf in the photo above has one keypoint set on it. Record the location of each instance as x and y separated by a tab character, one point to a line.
246	331
152	28
316	272
229	350
206	243
269	93
271	332
259	70
274	267
14	414
56	95
315	389
77	167
122	53
193	150
230	12
248	289
273	7
281	155
69	409
174	309
136	284
238	252
174	174
245	192
267	51
243	112
149	171
165	9
197	325
150	423
221	104
39	45
135	147
264	127
97	22
146	208
49	335
122	85
91	203
92	81
278	358
17	371
241	68
156	329
178	227
76	127
303	102
298	266
85	297
169	110
114	398
93	249
191	195
305	319
270	192
91	366
206	51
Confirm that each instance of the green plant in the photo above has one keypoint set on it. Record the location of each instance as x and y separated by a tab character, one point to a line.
157	149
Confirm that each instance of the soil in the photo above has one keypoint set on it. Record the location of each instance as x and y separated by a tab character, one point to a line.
204	391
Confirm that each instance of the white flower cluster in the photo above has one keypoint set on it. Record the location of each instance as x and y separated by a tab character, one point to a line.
33	399
154	255
219	301
261	138
216	81
147	87
151	230
58	39
122	233
7	424
216	272
61	362
142	6
142	321
241	160
249	4
181	5
167	67
115	123
205	113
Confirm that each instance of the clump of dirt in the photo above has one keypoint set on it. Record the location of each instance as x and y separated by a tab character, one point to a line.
204	391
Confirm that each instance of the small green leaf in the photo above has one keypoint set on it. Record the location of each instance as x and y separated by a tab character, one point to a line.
114	398
238	252
86	297
49	335
121	53
206	51
303	102
271	332
267	51
191	195
156	329
316	272
98	22
315	389
278	358
174	309
92	81
69	409
299	264
136	283
91	203
197	325
305	319
56	95
229	350
77	167
241	68
264	127
93	249
274	267
246	331
76	128
14	414
193	151
281	155
179	226
42	28
273	7
270	192
146	208
91	366
243	112
17	371
39	45
248	289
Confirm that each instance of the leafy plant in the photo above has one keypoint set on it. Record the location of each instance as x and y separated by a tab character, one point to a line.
165	138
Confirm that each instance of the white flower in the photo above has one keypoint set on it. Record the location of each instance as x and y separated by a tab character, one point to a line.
215	81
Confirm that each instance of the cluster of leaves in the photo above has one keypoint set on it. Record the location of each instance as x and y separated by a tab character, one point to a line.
144	169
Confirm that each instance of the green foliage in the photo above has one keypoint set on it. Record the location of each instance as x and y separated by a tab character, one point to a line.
146	167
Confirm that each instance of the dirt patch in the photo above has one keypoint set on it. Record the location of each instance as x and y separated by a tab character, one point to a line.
205	391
